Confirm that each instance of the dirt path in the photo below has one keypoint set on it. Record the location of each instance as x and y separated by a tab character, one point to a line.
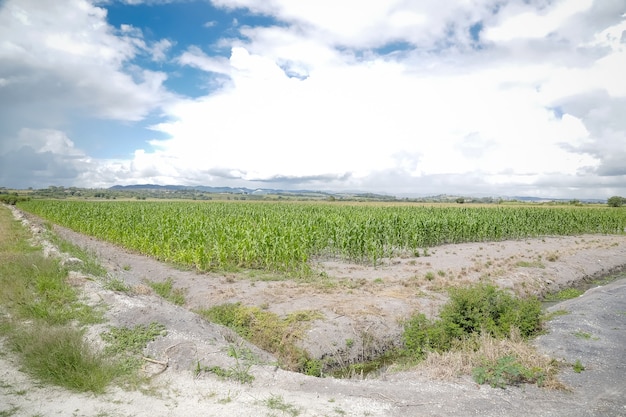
363	304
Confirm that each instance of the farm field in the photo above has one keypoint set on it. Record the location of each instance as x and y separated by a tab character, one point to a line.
354	308
286	237
347	269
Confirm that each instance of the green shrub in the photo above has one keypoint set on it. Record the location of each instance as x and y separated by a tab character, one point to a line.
472	311
485	308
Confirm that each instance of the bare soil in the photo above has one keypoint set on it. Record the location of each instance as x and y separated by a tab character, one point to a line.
362	308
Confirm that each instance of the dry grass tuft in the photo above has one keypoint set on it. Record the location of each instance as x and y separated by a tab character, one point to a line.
474	352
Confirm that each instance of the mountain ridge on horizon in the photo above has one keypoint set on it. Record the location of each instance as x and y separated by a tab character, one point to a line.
246	190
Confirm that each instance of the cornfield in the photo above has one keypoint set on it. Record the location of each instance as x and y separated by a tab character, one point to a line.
284	237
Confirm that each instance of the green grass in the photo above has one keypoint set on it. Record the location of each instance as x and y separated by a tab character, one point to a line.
584	335
278	403
89	263
126	344
505	371
530	264
43	318
41	310
240	371
9	412
578	367
59	355
166	290
565	294
116	284
267	330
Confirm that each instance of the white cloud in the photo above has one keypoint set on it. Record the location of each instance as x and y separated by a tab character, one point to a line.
535	23
533	104
64	55
41	157
194	57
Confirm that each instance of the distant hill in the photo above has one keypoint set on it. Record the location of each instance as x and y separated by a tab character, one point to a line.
249	191
338	195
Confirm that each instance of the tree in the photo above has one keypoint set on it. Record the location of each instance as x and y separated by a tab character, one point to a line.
616	201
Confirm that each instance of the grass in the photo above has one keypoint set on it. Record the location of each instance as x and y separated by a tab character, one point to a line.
10	411
60	355
126	344
44	319
267	330
166	290
578	367
89	263
494	361
116	284
40	309
240	371
278	403
530	264
584	335
565	294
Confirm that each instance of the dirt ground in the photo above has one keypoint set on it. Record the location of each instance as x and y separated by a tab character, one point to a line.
361	308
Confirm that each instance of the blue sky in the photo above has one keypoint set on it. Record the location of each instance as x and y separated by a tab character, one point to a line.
488	97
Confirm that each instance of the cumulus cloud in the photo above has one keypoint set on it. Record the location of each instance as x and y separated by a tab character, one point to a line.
469	97
62	55
41	157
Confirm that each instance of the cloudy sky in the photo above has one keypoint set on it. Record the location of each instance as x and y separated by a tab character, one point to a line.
406	97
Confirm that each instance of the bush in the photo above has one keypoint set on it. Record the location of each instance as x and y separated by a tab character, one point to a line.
616	201
472	311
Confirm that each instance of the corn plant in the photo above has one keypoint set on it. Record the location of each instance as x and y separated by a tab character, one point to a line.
284	237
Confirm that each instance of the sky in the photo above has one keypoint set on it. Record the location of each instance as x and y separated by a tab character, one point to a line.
403	97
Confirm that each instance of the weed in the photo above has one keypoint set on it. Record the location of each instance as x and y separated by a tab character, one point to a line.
472	314
349	343
565	294
441	273
60	355
584	335
557	313
339	411
506	370
270	332
552	256
429	276
277	402
89	262
530	264
484	349
116	284
578	366
226	399
127	344
166	290
44	309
